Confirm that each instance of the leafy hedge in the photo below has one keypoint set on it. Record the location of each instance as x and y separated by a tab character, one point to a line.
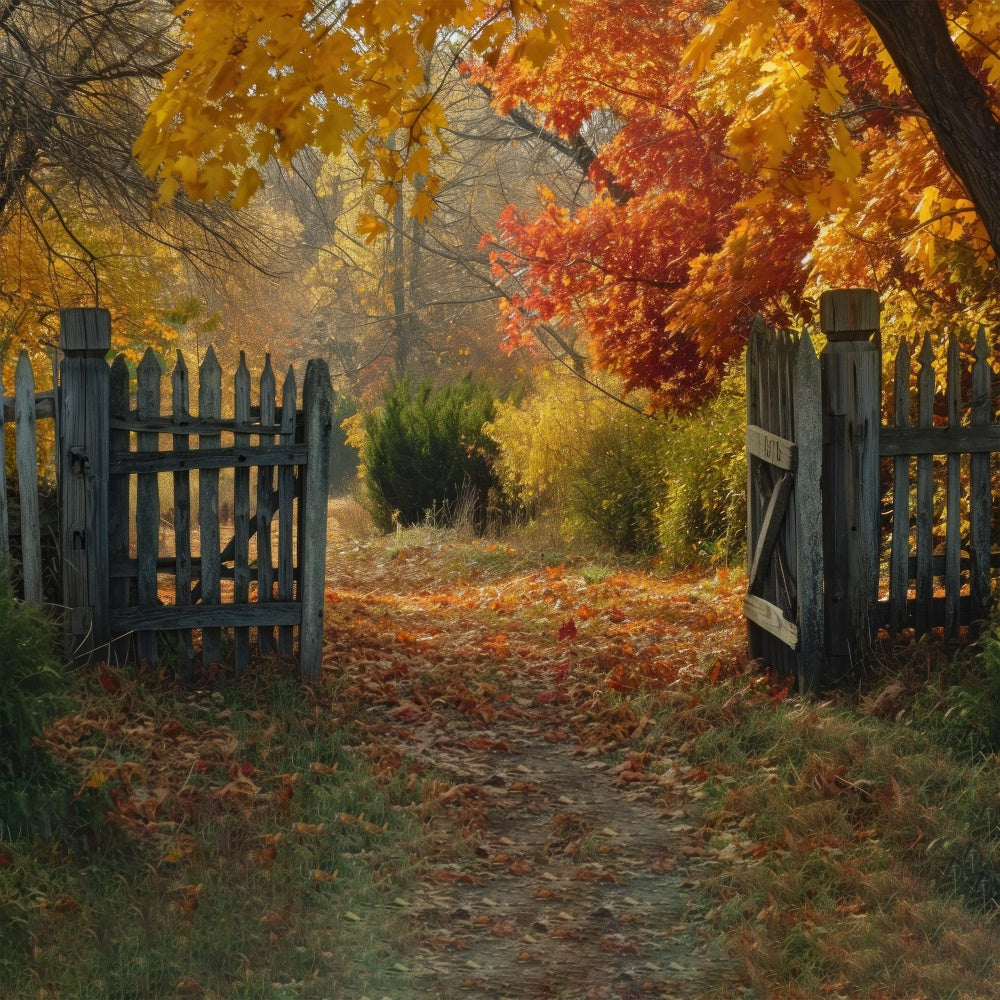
425	454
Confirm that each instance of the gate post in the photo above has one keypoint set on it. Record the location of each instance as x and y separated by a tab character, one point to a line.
317	418
84	427
851	373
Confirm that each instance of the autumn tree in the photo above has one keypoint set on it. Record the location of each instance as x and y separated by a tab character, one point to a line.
737	158
77	217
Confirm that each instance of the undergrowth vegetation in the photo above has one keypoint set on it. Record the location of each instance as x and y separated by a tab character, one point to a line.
236	845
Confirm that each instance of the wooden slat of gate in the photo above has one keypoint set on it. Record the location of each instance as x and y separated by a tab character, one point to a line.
980	490
180	407
147	513
210	408
953	522
286	496
899	577
925	493
241	517
265	488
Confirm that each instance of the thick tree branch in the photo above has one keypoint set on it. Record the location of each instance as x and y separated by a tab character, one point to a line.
915	34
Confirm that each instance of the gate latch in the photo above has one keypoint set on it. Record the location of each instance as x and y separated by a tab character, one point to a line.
79	463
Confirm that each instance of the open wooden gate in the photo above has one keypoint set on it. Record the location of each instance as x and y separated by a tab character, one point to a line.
784	603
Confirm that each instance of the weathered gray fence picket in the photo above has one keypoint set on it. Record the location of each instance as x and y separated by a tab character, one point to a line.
929	469
117	458
931	584
180	591
784	534
23	410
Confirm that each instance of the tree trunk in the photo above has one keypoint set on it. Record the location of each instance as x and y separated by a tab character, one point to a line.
915	34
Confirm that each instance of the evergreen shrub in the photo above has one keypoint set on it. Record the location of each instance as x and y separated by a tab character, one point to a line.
425	454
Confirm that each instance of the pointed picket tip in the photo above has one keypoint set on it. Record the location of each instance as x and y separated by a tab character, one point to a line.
210	363
149	363
926	355
981	351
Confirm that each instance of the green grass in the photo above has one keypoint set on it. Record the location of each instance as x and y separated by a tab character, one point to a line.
279	888
862	853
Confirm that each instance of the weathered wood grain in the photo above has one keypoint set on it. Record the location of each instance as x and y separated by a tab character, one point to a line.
147	507
180	387
265	510
26	454
210	407
286	498
241	516
317	420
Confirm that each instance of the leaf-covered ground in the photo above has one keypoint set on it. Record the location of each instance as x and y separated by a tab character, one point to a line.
560	861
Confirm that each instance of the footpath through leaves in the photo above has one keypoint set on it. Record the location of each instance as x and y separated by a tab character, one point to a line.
559	861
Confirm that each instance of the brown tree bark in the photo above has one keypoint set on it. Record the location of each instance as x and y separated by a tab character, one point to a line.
916	36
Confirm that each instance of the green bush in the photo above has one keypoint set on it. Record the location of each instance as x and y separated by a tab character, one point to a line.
616	485
33	794
704	513
425	454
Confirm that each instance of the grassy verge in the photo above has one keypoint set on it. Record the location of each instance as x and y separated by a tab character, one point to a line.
862	848
228	843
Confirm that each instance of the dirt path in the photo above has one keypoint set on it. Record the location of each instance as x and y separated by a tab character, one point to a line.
561	861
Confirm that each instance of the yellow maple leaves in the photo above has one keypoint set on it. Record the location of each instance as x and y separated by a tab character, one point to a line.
262	79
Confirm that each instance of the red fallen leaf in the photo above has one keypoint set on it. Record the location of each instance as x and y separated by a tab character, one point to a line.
439	942
617	946
447	875
109	683
241	769
204	766
502	928
65	904
188	986
616	615
5	862
172	729
521	867
568	630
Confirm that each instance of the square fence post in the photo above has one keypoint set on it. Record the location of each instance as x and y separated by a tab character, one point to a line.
84	430
851	376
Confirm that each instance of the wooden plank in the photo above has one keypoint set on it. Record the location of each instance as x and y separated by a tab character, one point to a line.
852	415
45	406
147	506
241	516
193	426
953	515
85	339
980	487
134	463
209	408
774	517
119	520
266	645
26	453
771	619
286	494
4	507
808	516
180	387
925	490
207	616
926	441
754	636
899	580
771	448
317	419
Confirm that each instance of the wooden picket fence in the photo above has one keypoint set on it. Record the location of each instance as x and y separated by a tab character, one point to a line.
910	541
23	409
127	584
941	544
